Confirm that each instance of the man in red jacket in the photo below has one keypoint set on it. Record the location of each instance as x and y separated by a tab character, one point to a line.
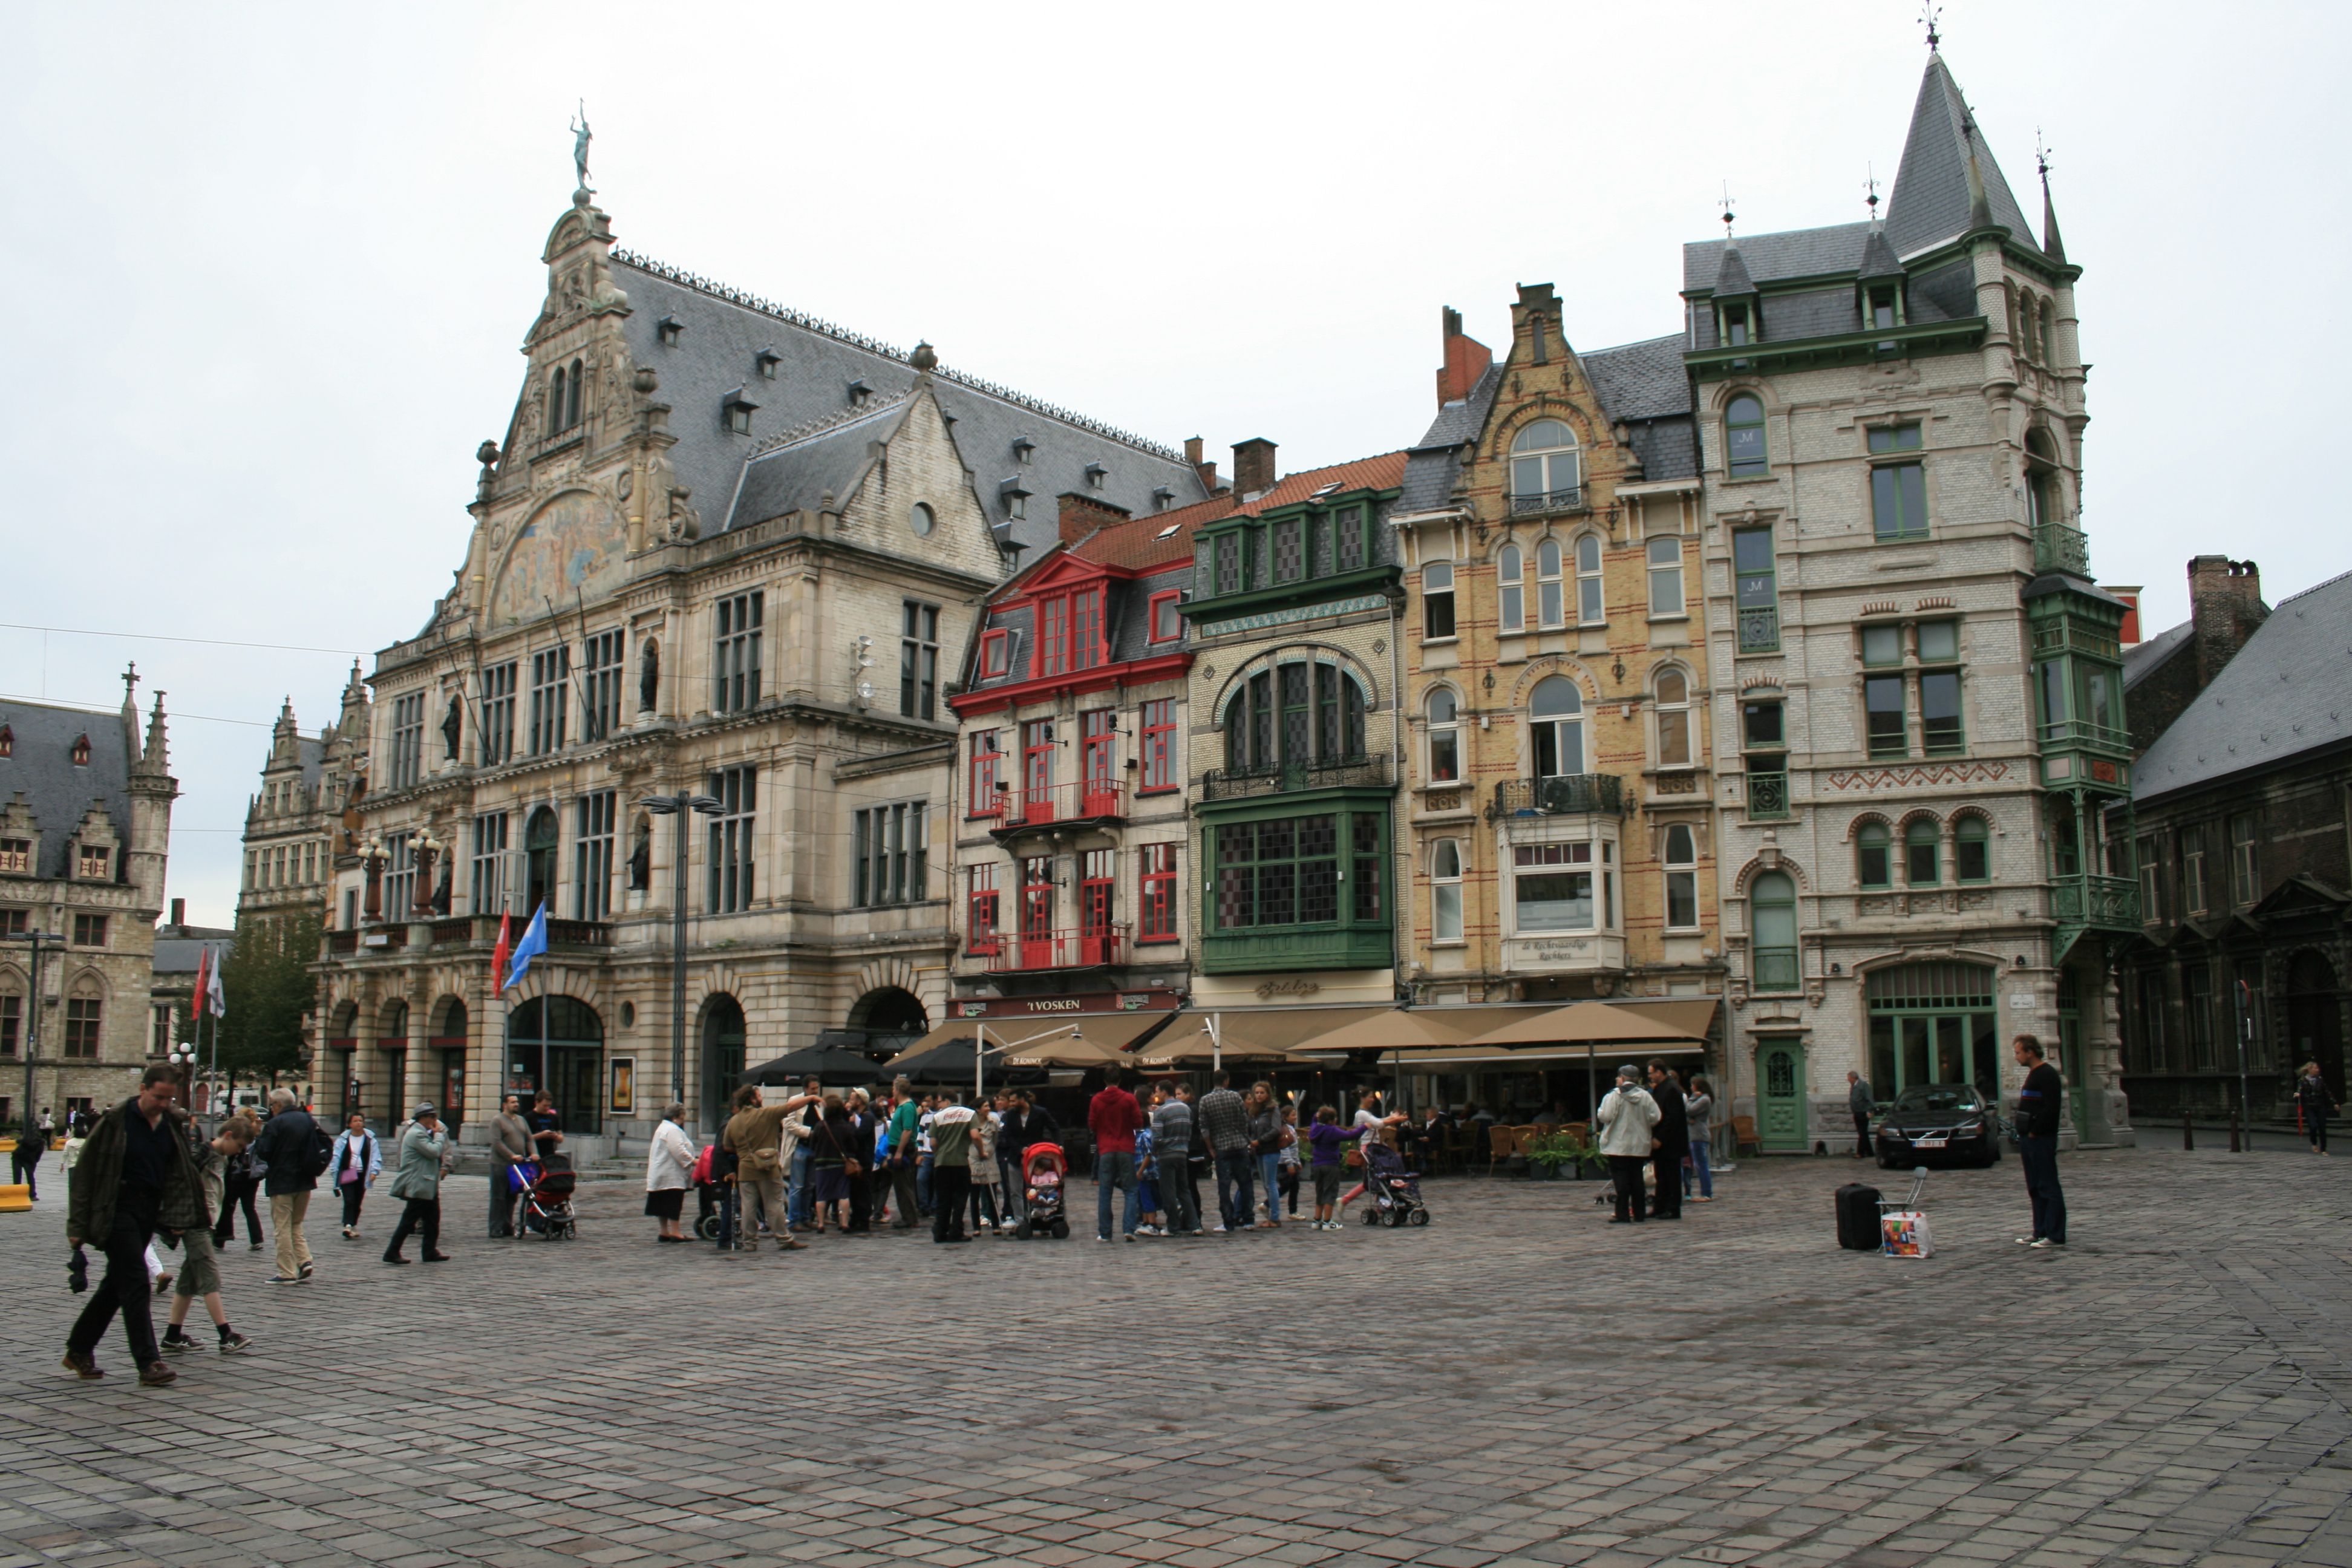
1114	1117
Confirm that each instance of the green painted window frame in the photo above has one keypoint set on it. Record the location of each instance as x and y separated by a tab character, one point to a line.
1886	741
1736	467
1355	822
1971	839
1776	968
1873	857
1755	591
1923	844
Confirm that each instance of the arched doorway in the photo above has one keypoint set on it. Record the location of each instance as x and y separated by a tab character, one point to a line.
722	1056
2314	1019
891	1018
539	861
559	1044
392	1058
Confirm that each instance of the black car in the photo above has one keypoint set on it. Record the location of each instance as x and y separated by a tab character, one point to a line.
1937	1121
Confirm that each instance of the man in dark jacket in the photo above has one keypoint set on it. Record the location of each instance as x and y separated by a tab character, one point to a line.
137	1175
31	1144
1225	1121
1673	1133
2038	1105
284	1150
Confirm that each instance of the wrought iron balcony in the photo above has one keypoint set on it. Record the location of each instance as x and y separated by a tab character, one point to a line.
1777	969
1012	952
1020	810
1559	796
2108	903
2059	547
1570	500
1768	794
1759	630
1233	784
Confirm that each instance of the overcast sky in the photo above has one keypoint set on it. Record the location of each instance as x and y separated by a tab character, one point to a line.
272	264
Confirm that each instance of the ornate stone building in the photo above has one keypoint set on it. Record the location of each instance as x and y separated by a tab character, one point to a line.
85	837
725	553
1922	758
293	823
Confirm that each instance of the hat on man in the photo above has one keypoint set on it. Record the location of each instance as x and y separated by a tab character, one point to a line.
1629	1073
422	1112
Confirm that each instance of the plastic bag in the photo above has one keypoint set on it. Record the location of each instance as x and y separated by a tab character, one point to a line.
1907	1234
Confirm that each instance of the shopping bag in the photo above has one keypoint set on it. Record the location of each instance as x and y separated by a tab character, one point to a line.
1906	1234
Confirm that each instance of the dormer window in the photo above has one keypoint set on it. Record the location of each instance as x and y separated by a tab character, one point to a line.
737	409
1023	446
670	327
767	359
7	742
860	395
81	751
1160	498
1014	496
1738	324
1096	473
91	862
1885	308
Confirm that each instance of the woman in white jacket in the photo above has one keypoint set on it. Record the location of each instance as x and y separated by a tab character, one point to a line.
669	1170
1627	1114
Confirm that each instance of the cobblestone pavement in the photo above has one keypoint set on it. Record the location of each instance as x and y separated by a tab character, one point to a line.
1518	1383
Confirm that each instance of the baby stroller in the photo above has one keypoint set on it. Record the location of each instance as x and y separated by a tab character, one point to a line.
1391	1193
1042	1169
708	1195
547	1199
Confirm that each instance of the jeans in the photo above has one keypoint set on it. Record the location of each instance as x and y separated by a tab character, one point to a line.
727	1216
1698	1168
983	1205
1180	1200
950	1185
1625	1175
1009	1196
1236	1205
2039	1157
925	1185
796	1199
1269	1176
286	1212
1114	1168
125	1288
502	1197
421	1215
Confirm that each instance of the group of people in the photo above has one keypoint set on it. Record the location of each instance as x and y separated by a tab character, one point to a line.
1655	1137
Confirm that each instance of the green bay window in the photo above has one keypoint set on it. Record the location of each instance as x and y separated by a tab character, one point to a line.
1291	888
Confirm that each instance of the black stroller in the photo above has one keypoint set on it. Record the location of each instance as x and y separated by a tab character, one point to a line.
547	1199
1391	1193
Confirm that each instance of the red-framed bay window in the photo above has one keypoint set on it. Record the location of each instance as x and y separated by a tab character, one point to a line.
1156	906
987	800
1037	768
981	912
1098	762
1159	745
1167	624
1070	632
1098	872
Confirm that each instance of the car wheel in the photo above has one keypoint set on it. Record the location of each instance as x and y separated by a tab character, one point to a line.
1885	1163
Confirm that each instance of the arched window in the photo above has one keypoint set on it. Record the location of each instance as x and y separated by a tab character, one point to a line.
2029	323
1445	738
1672	705
1550	599
2041	477
1874	855
1743	437
571	397
1682	877
1298	714
85	1018
1544	467
1589	610
1971	851
1773	905
1446	890
2049	334
1921	844
1556	710
555	402
1509	571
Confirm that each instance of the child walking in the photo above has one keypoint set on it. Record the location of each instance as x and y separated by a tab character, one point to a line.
1325	1139
200	1274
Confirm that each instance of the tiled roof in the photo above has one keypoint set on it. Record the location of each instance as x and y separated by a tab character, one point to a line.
2143	659
1136	542
41	766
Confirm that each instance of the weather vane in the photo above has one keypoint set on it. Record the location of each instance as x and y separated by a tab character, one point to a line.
2041	157
581	137
1870	183
1930	14
1725	205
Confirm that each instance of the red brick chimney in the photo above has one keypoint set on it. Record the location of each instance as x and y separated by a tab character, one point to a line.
1253	466
1466	360
1208	471
2225	605
1082	514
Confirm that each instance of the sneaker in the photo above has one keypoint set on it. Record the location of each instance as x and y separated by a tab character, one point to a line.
155	1374
286	1279
1221	1230
309	1269
83	1365
1131	1236
350	1233
173	1344
253	1247
232	1342
2027	1240
2044	1244
1104	1239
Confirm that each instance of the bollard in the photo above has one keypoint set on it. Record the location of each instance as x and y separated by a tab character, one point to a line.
17	1199
2233	1133
2187	1135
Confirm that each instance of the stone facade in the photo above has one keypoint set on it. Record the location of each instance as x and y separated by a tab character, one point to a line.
292	822
85	832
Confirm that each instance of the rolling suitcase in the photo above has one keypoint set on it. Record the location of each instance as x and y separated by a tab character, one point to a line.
1857	1218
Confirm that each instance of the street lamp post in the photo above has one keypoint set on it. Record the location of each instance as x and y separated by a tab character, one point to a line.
679	806
33	1024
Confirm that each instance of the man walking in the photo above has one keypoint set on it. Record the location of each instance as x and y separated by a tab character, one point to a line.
951	1154
1224	1120
1627	1113
31	1144
2038	1105
1862	1104
1672	1134
1171	1147
137	1175
292	1175
1114	1117
418	1180
758	1135
510	1146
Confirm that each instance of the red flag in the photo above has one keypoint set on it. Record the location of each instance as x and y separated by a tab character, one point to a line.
498	953
203	975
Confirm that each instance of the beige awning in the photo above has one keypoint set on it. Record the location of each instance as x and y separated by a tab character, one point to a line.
1397	1028
1586	1023
1079	1040
1457	1058
1266	1035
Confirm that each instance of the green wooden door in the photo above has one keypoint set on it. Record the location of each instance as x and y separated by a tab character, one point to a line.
1781	1097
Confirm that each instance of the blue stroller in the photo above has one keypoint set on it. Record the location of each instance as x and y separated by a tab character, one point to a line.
1391	1193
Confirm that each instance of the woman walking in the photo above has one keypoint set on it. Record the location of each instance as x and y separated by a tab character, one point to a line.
669	1167
418	1180
1264	1130
353	1162
1700	1105
2314	1104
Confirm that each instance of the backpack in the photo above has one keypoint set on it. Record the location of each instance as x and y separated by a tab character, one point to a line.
321	1150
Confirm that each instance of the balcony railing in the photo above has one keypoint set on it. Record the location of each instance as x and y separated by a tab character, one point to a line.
1009	952
2109	902
2083	732
1776	969
1086	800
1232	784
1768	794
1759	630
340	941
457	930
2057	547
1570	500
1559	796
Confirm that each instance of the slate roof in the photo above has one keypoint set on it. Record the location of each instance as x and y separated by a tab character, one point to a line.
177	956
796	471
1769	257
2288	692
58	792
1641	380
1930	201
2144	660
722	332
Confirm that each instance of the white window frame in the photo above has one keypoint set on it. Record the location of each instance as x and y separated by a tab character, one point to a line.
1683	711
1445	893
1437	581
1662	573
1591	602
1552	593
1449	727
1681	872
1511	593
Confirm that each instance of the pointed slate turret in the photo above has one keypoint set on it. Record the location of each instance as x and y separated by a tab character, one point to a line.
1731	278
1948	183
2052	245
1878	257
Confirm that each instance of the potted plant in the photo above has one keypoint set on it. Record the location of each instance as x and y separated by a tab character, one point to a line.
1555	1154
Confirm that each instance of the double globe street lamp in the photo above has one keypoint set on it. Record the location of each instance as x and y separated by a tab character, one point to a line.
678	805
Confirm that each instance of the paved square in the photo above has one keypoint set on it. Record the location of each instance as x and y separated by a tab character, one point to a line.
1518	1383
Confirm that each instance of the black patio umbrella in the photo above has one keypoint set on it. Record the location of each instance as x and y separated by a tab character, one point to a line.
949	1064
829	1065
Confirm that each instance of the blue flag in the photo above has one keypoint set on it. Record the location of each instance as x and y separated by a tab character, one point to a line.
533	944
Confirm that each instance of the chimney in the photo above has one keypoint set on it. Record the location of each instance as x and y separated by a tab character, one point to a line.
2225	605
1465	360
1082	514
1253	466
179	911
1208	471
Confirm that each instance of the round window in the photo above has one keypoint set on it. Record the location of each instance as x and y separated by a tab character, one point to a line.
628	1014
921	520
